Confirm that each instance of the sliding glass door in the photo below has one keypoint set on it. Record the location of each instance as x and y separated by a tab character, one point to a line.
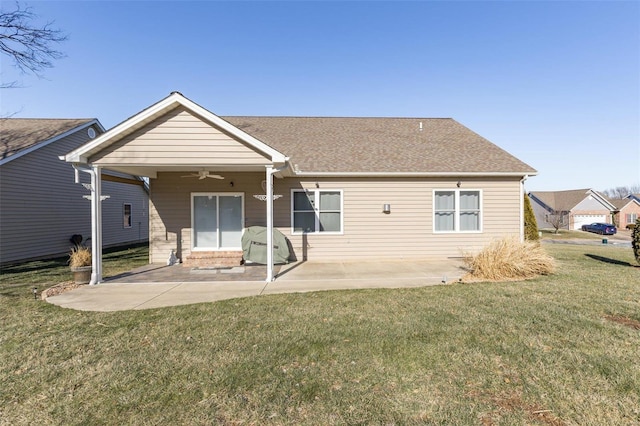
216	221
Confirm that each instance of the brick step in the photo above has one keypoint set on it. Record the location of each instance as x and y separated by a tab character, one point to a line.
213	259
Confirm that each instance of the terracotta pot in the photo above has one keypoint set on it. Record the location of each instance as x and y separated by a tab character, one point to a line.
81	274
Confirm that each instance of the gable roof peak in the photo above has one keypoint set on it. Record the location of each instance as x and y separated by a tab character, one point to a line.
566	200
159	109
19	136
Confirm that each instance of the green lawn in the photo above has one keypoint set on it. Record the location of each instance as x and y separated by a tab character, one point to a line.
54	271
557	350
563	234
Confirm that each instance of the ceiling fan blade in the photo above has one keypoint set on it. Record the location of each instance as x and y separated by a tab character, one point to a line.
202	175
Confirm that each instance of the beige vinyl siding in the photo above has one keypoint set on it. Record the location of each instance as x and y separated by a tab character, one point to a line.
41	206
178	138
405	233
170	208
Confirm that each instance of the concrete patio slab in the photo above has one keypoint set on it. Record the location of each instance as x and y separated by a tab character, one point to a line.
110	297
182	287
432	271
190	293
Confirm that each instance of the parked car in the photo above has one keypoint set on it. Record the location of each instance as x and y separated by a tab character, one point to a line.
600	228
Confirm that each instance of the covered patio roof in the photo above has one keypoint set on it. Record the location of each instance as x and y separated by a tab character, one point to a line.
175	134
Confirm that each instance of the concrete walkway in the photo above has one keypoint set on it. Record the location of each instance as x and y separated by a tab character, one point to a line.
295	278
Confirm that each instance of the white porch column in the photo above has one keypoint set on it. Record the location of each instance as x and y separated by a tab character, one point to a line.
96	226
269	189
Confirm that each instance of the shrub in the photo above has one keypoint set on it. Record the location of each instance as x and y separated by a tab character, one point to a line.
80	256
635	240
530	223
509	259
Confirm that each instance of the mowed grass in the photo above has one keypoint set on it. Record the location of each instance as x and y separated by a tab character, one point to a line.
556	350
55	271
564	234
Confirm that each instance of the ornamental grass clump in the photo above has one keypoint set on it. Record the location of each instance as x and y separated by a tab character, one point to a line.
80	256
509	259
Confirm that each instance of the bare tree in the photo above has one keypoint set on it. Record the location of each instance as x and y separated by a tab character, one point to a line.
620	192
29	46
558	219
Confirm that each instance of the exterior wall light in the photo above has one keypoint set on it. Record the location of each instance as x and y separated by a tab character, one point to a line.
386	208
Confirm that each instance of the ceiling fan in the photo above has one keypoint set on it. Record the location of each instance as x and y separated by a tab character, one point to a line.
203	174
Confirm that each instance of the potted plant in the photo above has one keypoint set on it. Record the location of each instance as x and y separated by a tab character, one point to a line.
80	264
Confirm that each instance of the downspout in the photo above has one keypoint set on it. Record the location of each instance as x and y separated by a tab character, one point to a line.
270	172
96	219
525	177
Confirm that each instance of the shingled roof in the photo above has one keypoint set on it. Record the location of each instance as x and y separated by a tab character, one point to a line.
17	134
564	200
380	145
358	146
561	200
620	203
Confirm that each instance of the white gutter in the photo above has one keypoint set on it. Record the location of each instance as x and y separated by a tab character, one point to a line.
412	174
270	172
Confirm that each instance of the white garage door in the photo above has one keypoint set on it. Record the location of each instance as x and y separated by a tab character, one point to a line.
585	219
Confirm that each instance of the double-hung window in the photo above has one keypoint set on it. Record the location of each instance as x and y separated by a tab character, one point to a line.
126	215
316	211
457	211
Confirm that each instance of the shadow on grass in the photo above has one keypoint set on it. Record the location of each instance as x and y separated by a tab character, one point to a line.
608	260
35	265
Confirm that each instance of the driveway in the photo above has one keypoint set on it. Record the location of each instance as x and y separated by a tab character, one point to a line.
176	285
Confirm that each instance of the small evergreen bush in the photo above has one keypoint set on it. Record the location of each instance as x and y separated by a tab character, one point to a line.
635	243
530	222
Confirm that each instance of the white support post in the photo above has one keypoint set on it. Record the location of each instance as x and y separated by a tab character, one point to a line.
269	200
96	226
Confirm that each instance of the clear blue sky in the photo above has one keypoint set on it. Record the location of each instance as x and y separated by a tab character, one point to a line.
556	84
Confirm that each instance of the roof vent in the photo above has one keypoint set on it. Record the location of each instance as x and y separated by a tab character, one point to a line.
421	126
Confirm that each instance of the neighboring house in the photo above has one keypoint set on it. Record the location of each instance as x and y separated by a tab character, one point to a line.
627	211
344	189
575	207
41	206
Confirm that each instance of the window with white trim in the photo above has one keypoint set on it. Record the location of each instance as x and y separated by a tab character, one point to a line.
632	217
316	211
126	215
216	220
457	211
